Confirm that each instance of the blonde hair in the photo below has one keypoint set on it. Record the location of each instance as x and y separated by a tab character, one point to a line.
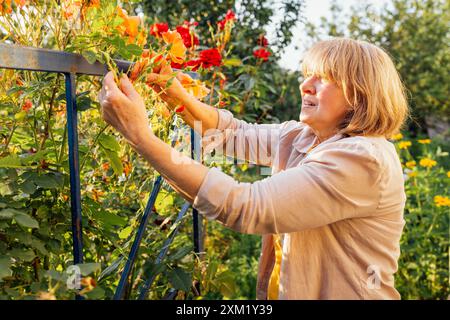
370	82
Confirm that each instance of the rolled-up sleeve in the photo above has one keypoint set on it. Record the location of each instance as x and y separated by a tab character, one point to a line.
338	181
236	138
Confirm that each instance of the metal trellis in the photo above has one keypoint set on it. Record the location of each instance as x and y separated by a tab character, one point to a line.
70	65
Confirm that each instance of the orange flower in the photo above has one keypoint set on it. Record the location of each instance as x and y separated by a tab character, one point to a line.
27	105
177	52
20	3
194	87
88	284
96	194
127	168
130	25
105	166
69	7
5	7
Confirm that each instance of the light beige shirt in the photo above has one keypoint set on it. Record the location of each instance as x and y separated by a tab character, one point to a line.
339	209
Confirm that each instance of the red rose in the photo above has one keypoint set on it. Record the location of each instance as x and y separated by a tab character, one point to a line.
230	16
195	64
175	65
262	54
189	38
157	29
262	41
210	57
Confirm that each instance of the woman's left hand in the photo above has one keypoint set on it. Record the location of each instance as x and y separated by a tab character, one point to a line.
124	109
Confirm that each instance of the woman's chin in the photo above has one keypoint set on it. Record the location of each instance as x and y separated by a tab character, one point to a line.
305	118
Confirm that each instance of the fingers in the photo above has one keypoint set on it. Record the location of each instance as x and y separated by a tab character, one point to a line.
153	78
108	82
127	88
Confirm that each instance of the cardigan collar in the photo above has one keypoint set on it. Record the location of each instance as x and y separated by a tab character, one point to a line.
307	138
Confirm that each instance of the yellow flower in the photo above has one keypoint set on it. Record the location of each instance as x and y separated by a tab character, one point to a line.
427	162
410	164
442	201
177	52
404	144
412	174
397	136
448	174
424	141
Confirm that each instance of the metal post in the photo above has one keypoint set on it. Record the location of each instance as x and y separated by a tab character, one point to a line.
162	254
197	219
75	193
137	240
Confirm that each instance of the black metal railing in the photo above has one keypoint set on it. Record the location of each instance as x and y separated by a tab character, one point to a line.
70	65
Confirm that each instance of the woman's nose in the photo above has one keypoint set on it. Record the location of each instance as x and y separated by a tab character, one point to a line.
307	86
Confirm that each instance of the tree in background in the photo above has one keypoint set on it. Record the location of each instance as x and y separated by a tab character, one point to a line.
415	33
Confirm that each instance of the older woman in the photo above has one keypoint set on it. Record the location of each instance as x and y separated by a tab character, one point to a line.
331	214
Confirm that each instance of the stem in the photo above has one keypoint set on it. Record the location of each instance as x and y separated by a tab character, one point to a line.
63	143
212	87
49	112
92	146
10	136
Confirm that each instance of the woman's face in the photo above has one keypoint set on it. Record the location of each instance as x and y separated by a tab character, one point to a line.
323	104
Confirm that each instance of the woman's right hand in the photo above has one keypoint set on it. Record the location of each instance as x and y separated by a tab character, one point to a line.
169	88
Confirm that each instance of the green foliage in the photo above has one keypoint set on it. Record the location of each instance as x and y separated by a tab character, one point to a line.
423	266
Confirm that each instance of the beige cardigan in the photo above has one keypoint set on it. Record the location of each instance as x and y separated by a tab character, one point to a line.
339	209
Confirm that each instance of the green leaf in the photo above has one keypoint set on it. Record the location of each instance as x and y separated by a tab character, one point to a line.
232	62
111	268
90	56
108	218
28	186
164	202
11	161
20	254
48	181
40	246
5	189
25	220
109	142
125	233
56	275
84	103
134	49
8	213
181	253
96	293
115	161
5	265
180	279
40	155
88	268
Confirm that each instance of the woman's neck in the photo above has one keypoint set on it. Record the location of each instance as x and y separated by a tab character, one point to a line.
323	135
